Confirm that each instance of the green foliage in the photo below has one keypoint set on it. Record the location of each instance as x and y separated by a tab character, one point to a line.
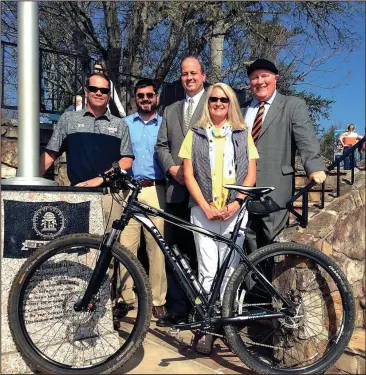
327	143
149	38
318	107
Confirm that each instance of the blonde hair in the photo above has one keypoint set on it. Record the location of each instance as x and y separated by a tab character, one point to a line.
235	118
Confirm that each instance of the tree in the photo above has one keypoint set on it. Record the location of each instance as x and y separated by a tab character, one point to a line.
327	143
149	39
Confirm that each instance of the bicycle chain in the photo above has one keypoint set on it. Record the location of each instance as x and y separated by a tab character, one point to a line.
204	332
245	342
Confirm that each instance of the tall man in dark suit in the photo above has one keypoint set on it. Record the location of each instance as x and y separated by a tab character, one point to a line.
177	119
280	124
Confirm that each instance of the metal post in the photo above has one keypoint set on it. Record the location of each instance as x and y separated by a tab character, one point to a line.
322	199
58	82
338	180
305	210
28	98
2	73
352	166
75	82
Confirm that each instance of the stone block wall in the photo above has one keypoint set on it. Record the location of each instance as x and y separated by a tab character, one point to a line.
9	152
339	231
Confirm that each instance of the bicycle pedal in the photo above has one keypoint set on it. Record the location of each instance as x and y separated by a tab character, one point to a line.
173	331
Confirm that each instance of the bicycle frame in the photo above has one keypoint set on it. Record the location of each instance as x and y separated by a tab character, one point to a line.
194	290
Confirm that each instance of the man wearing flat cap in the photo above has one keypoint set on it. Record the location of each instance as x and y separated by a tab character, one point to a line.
279	124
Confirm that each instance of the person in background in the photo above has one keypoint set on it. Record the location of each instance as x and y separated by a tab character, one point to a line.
279	125
144	126
217	151
114	105
77	104
177	119
348	139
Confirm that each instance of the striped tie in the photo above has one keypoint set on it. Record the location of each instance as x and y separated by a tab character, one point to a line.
256	130
189	113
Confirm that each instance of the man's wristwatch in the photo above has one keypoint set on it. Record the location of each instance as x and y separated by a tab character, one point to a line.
240	201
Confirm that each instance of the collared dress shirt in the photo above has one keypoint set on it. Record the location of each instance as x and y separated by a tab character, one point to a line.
253	109
143	138
195	98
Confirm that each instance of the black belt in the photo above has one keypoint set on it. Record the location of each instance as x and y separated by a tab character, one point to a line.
147	183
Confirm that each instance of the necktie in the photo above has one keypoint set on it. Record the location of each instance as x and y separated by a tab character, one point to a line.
189	113
256	130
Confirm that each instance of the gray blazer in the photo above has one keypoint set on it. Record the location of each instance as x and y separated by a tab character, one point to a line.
170	139
286	127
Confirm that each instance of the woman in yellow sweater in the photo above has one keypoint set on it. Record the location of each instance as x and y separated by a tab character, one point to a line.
218	150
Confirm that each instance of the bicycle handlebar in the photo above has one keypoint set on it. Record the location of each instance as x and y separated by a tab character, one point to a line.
119	179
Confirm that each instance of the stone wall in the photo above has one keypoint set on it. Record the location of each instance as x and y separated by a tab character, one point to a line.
339	231
9	152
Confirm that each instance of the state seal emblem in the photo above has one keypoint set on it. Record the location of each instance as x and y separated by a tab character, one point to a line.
48	222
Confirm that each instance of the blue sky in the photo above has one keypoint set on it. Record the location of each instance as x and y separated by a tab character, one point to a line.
350	95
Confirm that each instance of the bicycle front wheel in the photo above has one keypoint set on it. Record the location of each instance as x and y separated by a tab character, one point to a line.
54	338
311	341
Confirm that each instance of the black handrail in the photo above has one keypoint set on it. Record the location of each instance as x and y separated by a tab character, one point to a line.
303	217
51	104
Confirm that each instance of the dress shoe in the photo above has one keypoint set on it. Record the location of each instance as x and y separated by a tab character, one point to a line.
159	311
120	310
170	320
205	344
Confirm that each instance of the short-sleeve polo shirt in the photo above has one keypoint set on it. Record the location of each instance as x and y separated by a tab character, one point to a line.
91	143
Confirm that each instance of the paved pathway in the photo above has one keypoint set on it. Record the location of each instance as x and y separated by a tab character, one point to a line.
163	353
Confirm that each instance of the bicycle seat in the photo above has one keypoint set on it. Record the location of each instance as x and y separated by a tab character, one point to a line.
249	190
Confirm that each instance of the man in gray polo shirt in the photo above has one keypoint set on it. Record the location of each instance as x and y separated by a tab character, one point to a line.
93	139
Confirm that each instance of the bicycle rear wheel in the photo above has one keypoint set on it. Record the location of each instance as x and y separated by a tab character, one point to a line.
50	334
311	341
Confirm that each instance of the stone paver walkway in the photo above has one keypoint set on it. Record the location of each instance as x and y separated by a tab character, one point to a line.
163	353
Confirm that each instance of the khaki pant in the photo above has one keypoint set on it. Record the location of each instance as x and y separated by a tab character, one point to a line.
130	238
112	210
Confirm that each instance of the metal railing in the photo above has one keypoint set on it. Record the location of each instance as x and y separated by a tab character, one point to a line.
63	75
303	218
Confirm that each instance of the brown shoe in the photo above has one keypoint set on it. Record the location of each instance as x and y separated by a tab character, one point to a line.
159	311
205	344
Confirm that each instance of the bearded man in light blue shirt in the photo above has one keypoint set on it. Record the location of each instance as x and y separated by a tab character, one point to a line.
144	126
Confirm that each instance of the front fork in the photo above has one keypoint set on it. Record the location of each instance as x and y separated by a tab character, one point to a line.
104	260
101	268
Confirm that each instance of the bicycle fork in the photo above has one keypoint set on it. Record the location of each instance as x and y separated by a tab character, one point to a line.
100	270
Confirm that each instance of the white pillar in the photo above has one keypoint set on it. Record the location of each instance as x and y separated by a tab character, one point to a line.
28	98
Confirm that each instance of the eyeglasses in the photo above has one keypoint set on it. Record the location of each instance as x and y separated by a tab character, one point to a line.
99	69
103	90
149	95
215	99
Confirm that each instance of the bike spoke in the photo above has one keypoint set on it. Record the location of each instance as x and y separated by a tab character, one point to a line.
291	342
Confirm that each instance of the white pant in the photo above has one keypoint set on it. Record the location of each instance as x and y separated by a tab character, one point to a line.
211	254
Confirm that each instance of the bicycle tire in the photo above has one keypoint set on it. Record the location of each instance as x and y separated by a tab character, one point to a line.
26	284
321	267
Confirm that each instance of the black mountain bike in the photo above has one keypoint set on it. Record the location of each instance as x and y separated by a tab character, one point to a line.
287	308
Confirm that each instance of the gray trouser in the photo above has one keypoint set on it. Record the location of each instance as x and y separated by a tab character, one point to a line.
263	229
